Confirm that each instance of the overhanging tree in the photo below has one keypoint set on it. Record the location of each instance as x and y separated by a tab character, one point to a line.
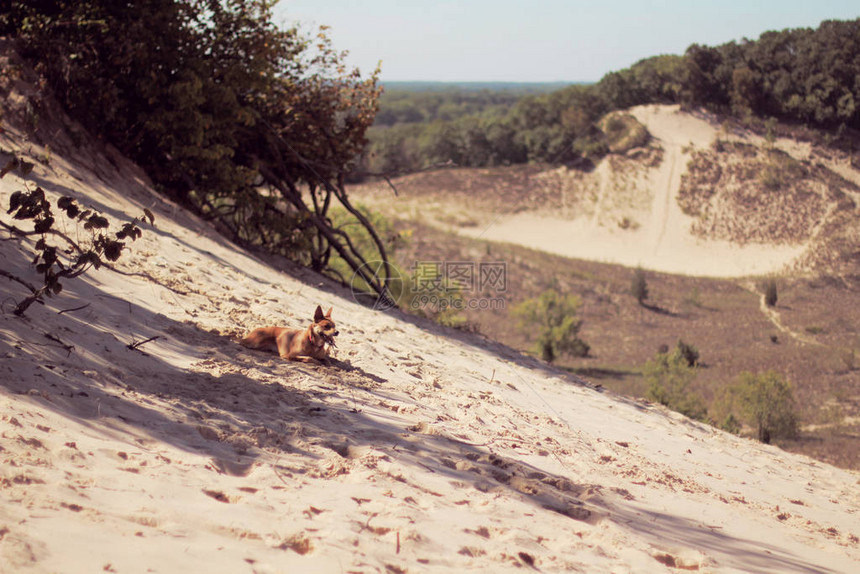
249	124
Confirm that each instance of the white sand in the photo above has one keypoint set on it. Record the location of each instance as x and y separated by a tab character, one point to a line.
672	252
422	450
662	241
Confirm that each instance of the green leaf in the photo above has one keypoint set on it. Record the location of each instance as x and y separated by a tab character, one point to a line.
10	165
25	168
16	200
88	258
68	204
96	222
43	225
49	255
129	230
113	250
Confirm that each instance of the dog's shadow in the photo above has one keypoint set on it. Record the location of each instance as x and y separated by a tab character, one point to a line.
350	368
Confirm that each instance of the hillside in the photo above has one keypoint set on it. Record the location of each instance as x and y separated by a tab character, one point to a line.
138	436
697	208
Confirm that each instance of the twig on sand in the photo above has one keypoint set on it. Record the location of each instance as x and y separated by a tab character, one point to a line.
355	408
278	474
66	347
135	346
73	309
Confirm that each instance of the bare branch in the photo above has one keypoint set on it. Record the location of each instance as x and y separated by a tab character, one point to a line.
17	279
136	346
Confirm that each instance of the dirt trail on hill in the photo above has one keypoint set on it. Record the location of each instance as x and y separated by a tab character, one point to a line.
663	200
772	315
602	187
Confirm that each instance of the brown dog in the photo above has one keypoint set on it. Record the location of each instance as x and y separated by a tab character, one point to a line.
310	345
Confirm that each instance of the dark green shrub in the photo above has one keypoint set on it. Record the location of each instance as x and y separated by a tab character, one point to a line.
243	121
770	293
639	286
688	352
731	424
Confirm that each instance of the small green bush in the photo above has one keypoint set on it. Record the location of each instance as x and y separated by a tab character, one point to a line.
766	402
669	376
731	424
688	352
623	132
553	316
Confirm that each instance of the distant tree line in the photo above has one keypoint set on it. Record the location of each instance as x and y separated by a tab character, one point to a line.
556	127
802	76
423	104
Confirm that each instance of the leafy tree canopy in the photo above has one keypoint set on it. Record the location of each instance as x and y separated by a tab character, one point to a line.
245	122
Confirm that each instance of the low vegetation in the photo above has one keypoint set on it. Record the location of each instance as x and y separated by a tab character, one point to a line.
669	376
745	194
766	403
623	132
59	256
699	335
770	293
550	319
639	286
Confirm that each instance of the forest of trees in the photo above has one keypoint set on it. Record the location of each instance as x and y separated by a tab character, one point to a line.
801	76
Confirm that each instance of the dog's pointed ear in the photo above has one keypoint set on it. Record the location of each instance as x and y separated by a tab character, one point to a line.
328	315
318	315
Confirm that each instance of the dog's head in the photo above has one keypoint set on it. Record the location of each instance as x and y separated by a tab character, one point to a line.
324	326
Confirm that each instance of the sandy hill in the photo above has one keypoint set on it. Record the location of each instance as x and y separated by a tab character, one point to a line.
701	198
418	450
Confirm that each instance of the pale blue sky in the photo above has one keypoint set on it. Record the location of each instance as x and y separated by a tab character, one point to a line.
539	40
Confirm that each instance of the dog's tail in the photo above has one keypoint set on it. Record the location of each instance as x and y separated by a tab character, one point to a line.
258	338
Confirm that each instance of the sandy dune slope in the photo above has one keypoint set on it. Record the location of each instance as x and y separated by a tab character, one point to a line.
418	450
661	240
